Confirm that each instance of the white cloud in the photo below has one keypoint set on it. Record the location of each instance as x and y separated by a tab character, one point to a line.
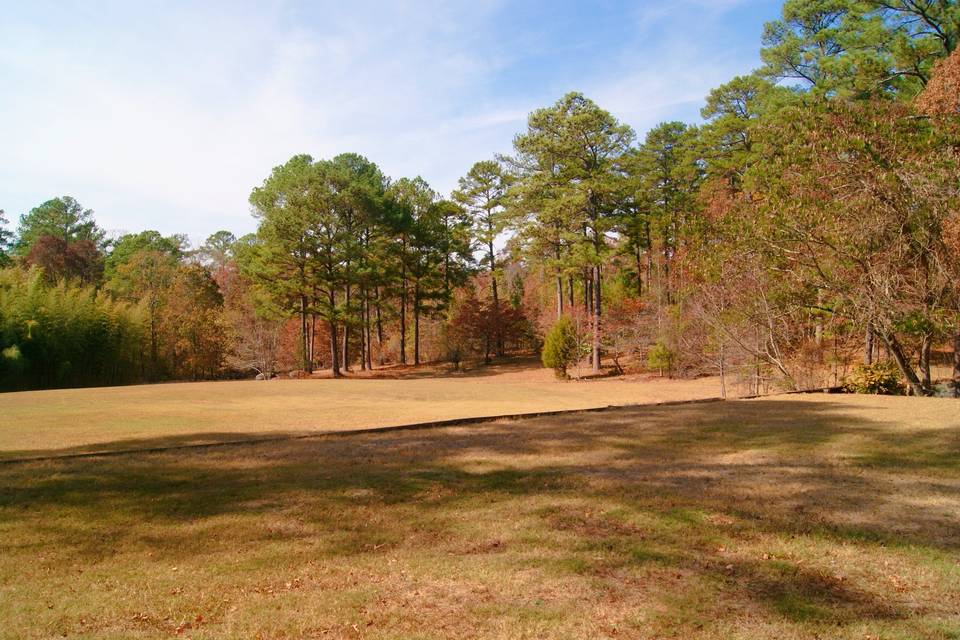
167	117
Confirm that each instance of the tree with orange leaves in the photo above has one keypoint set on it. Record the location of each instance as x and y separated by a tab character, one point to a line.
940	101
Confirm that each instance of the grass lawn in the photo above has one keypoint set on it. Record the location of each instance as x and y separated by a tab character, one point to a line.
795	517
74	420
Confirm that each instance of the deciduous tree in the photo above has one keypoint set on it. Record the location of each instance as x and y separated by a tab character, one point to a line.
123	248
60	259
854	200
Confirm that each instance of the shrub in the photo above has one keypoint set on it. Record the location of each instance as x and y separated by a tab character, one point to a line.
560	347
660	357
878	378
64	334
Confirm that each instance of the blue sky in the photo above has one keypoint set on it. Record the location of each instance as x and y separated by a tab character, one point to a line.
164	115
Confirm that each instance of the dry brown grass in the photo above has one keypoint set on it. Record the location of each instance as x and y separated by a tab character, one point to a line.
799	517
44	422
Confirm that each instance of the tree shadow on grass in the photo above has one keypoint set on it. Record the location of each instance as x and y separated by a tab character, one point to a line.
611	492
191	442
469	369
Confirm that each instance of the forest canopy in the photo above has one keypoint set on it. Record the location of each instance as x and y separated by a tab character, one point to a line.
807	228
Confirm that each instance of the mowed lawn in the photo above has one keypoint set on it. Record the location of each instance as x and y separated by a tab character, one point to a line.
796	517
109	418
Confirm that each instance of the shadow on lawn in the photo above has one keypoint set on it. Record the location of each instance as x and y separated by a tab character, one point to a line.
498	366
651	486
195	442
432	370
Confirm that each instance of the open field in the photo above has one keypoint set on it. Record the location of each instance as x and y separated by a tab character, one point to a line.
794	517
73	420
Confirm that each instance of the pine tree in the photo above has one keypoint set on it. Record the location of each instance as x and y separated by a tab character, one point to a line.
63	218
483	193
560	347
6	240
570	161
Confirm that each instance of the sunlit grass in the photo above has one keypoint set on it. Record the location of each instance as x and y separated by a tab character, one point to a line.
72	420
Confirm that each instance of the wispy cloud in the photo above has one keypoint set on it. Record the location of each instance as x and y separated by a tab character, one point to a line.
165	117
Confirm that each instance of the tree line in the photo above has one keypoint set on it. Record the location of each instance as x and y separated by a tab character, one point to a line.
809	223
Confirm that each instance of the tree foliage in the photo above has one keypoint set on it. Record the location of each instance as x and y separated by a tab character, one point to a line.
860	48
849	207
6	240
123	248
62	218
477	326
810	222
941	96
571	188
64	334
60	259
880	378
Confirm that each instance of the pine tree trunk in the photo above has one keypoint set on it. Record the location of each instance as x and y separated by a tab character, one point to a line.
380	355
416	324
304	337
587	293
559	295
369	333
498	332
312	341
363	329
346	327
639	270
334	343
403	315
596	319
956	364
665	282
646	231
446	277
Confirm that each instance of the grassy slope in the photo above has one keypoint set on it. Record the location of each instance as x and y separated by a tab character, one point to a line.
800	517
149	415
